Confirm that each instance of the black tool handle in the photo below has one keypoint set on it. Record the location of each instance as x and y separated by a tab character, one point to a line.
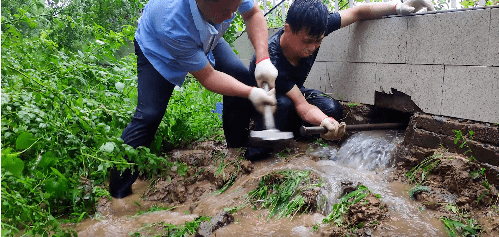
357	127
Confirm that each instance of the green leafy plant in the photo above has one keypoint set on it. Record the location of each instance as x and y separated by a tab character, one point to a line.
170	230
341	208
425	168
282	193
68	91
418	189
460	138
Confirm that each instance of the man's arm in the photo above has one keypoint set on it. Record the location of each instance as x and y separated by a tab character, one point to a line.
376	10
221	83
257	31
305	110
225	84
366	12
315	116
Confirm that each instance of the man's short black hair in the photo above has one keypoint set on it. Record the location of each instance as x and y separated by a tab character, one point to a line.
310	15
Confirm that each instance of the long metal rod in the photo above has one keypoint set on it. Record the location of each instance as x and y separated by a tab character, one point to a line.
356	127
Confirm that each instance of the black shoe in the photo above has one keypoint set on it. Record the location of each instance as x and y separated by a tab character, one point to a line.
257	153
120	185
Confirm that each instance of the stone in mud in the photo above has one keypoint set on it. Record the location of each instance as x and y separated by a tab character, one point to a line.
220	220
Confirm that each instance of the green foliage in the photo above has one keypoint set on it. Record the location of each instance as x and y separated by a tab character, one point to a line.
460	224
418	189
282	192
154	209
464	142
65	100
425	168
170	230
342	207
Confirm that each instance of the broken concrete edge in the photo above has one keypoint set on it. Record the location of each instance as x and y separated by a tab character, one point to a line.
218	221
427	132
432	131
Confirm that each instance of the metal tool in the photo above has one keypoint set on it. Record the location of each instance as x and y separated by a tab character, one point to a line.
357	127
270	134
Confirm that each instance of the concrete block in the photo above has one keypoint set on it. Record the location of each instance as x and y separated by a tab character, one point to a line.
380	40
244	47
352	82
318	78
471	92
423	83
455	38
423	138
335	46
493	47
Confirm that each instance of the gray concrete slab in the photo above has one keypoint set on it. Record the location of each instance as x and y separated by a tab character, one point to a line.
423	83
318	78
381	41
335	46
471	92
493	47
455	38
352	82
245	48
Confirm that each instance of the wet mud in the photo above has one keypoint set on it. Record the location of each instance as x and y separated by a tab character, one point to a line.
212	167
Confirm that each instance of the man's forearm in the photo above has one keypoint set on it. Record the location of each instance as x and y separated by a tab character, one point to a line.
258	34
221	83
376	10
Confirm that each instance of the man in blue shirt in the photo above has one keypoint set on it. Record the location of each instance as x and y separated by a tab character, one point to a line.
293	50
175	37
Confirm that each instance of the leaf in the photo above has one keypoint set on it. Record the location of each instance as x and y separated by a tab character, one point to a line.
55	171
119	86
11	163
56	187
24	141
108	147
47	160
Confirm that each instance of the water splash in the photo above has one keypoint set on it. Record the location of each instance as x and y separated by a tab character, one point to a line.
365	150
367	158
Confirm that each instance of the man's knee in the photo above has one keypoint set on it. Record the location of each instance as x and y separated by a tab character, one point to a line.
333	109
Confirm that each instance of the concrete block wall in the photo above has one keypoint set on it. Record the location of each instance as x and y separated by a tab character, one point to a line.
448	63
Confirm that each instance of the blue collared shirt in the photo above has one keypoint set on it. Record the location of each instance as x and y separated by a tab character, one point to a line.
176	39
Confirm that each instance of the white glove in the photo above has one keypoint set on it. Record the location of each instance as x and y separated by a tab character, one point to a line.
265	71
412	6
335	130
260	98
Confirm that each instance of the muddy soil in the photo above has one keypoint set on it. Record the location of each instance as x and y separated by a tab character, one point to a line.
452	180
212	167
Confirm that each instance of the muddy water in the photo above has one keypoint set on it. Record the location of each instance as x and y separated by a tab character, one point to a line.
370	166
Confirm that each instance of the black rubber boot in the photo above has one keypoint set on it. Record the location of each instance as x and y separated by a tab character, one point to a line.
257	153
120	185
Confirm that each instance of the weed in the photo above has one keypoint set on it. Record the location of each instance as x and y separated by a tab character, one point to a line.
284	153
350	105
341	208
170	230
461	224
476	174
321	143
283	193
418	189
154	209
464	142
457	228
425	167
229	181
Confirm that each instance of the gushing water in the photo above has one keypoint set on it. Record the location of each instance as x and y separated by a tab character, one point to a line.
366	158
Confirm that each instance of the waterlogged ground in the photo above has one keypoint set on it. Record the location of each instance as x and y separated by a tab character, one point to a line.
447	191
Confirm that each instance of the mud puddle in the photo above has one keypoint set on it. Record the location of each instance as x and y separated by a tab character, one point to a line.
197	197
